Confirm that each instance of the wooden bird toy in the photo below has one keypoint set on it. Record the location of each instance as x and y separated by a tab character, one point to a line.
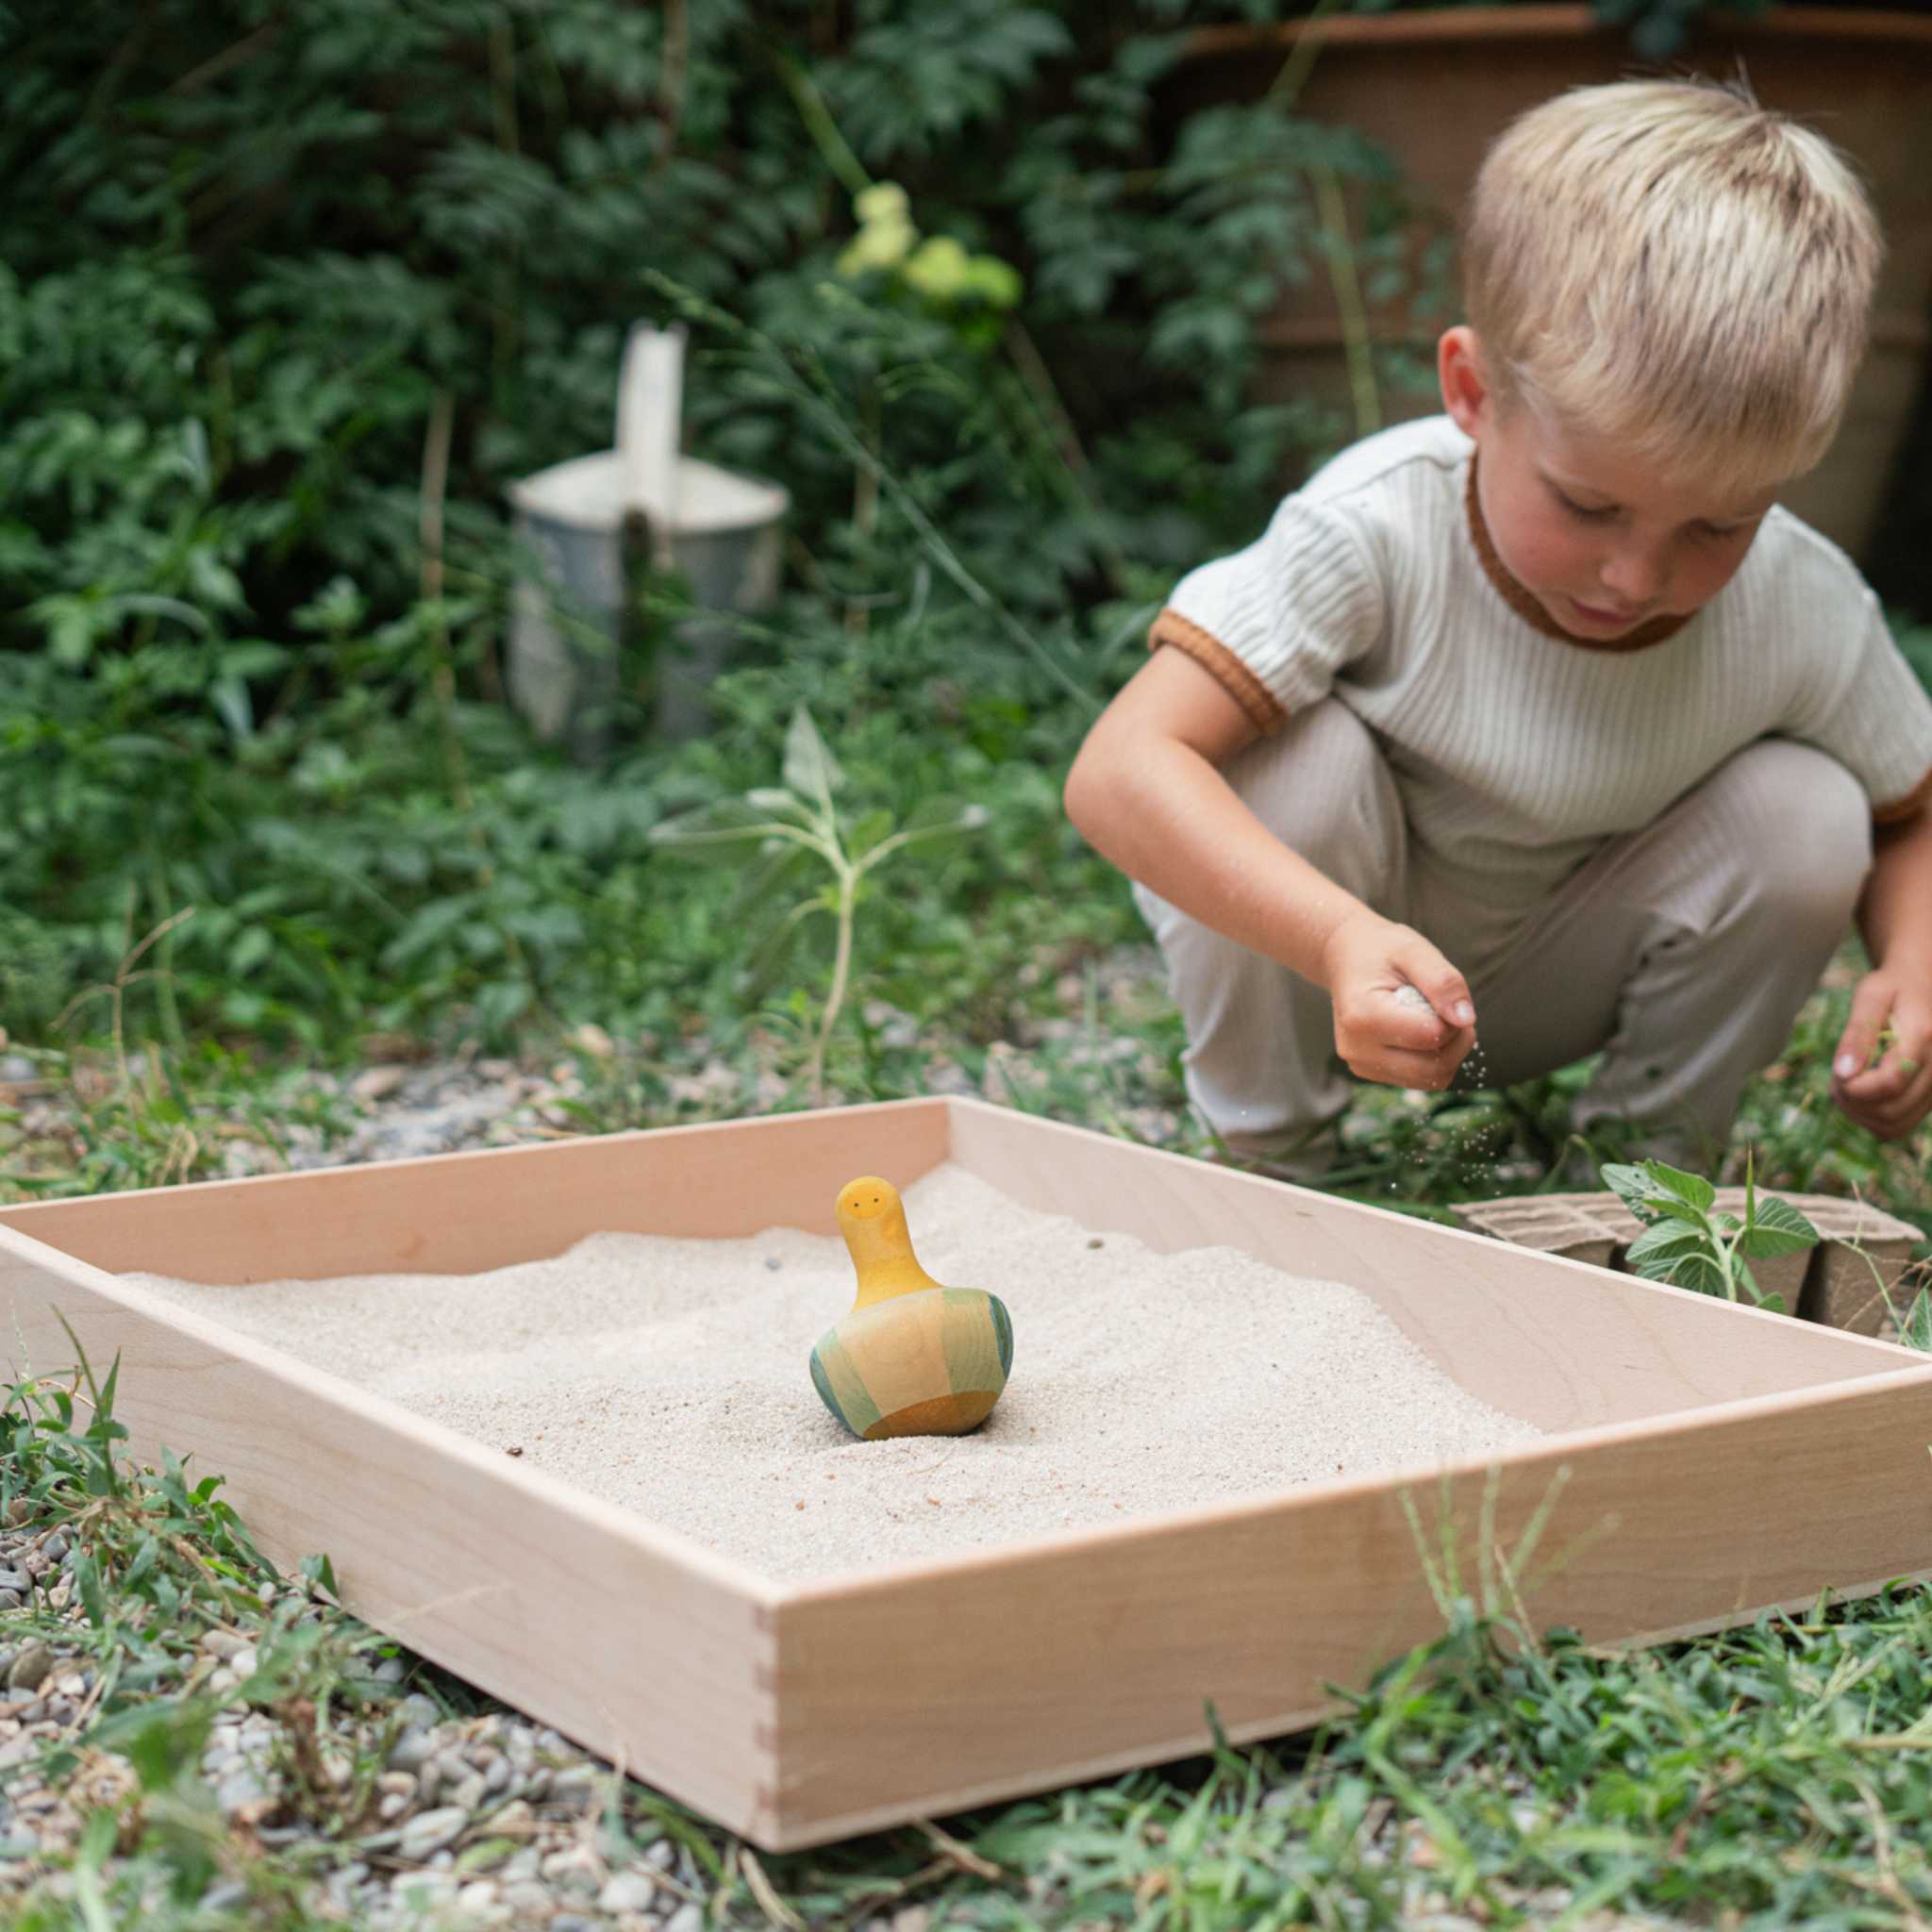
913	1358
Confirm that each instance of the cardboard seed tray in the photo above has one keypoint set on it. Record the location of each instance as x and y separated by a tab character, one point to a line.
799	1713
1860	1260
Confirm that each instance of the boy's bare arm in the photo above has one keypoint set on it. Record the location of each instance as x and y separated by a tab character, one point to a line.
1895	919
1146	791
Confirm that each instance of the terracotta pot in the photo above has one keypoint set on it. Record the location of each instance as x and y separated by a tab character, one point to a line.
1434	88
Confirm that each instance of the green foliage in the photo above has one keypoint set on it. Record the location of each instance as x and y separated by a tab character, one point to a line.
251	632
977	282
781	825
1687	1241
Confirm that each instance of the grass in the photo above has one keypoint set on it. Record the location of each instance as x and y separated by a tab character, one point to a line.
1499	1775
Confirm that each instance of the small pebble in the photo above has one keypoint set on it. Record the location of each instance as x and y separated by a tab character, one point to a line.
628	1891
431	1831
575	1868
574	1788
29	1667
239	1789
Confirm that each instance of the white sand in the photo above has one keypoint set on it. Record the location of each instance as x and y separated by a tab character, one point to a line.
670	1376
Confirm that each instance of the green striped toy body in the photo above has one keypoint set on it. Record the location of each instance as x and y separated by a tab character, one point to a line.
931	1363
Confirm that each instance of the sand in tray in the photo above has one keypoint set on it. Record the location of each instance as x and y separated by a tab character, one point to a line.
670	1376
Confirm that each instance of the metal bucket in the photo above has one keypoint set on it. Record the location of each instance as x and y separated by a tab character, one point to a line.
567	632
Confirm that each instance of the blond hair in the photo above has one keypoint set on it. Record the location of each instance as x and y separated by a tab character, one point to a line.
1678	270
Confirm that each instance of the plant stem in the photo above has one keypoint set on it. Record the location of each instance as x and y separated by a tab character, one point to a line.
671	78
841	966
1052	430
822	128
443	677
1348	299
1286	87
164	960
865	502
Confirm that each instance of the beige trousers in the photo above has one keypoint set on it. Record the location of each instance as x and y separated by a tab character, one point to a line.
1682	951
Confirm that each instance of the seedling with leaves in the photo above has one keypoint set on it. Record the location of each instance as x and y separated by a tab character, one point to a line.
782	824
1689	1244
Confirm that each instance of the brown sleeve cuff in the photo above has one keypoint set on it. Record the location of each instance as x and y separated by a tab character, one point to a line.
1264	713
1909	807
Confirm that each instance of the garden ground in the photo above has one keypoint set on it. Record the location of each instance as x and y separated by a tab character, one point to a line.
190	1740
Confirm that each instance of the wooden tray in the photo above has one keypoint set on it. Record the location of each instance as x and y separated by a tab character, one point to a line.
798	1713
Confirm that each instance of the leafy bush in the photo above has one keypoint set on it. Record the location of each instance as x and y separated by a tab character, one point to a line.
291	293
265	267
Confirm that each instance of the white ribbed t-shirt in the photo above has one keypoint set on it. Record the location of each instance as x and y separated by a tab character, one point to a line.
1518	750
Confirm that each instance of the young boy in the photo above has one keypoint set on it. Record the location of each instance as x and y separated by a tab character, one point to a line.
1543	711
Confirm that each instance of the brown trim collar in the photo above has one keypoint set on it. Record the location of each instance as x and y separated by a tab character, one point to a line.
1531	612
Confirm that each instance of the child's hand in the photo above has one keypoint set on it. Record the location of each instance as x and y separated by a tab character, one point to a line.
1403	1014
1881	1075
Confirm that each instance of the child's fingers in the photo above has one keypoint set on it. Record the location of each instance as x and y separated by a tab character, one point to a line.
1892	1116
1870	1009
1396	1066
1403	1044
1893	1097
1440	984
1411	1021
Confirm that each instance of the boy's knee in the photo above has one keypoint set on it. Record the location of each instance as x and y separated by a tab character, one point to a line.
1322	786
1808	839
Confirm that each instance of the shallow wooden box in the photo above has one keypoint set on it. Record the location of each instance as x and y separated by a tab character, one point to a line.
1703	1461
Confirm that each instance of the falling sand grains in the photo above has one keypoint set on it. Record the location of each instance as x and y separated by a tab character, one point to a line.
670	1376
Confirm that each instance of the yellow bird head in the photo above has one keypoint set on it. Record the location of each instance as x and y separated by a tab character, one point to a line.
871	1218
